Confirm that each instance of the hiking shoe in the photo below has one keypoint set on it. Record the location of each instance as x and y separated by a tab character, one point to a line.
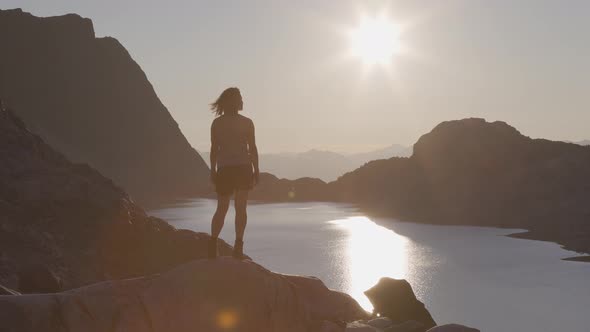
212	248
238	249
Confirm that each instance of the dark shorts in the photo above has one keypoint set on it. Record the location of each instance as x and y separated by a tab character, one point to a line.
232	178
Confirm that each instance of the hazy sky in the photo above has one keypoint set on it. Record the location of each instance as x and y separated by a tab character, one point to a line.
523	62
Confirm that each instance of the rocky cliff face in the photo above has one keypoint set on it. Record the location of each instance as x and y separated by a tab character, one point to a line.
90	100
74	220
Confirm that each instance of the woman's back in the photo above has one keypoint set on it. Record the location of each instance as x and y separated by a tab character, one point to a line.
230	132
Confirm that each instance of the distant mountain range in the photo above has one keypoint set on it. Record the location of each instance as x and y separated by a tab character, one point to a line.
584	142
469	172
89	99
324	165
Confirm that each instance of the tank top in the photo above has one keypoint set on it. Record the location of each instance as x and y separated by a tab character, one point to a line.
231	134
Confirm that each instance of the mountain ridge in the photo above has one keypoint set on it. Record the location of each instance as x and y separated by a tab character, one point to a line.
322	164
95	104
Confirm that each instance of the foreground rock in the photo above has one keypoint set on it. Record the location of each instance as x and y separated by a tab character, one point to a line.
395	300
386	325
90	100
204	295
75	222
7	291
452	328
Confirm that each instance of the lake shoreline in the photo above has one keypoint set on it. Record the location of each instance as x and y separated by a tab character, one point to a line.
525	234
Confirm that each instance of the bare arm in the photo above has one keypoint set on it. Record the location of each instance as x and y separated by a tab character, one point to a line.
253	151
213	154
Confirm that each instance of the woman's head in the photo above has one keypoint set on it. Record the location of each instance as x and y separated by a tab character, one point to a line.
229	102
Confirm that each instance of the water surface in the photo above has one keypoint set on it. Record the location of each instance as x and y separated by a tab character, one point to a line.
469	275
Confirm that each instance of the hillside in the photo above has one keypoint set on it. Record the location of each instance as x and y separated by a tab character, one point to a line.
74	221
89	99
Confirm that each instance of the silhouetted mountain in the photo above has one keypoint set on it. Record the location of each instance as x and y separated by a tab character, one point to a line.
391	151
474	172
325	165
274	189
479	173
89	99
74	221
584	142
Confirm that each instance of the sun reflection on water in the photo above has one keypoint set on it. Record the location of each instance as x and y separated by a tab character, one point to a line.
373	252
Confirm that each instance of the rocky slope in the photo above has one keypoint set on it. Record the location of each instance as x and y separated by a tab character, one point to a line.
75	221
90	100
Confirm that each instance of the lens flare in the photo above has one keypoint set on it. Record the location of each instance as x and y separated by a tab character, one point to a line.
226	319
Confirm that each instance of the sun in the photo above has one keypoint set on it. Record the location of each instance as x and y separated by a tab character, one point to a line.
376	40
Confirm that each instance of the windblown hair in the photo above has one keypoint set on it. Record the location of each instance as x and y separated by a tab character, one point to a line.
227	101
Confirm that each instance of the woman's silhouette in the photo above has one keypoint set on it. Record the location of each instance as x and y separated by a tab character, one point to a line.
234	165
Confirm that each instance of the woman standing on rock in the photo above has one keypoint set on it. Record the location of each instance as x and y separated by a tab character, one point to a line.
234	165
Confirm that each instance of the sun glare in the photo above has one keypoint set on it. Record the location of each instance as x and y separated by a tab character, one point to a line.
376	40
368	246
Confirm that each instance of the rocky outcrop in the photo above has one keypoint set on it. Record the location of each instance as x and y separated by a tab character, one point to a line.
480	173
204	295
395	300
89	99
452	328
74	221
386	325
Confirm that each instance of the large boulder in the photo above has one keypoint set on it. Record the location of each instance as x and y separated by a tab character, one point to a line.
204	295
395	299
452	328
408	326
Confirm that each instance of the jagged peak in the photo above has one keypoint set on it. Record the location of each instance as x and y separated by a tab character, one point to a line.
70	24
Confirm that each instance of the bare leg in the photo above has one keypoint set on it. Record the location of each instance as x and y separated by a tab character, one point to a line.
241	202
219	216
